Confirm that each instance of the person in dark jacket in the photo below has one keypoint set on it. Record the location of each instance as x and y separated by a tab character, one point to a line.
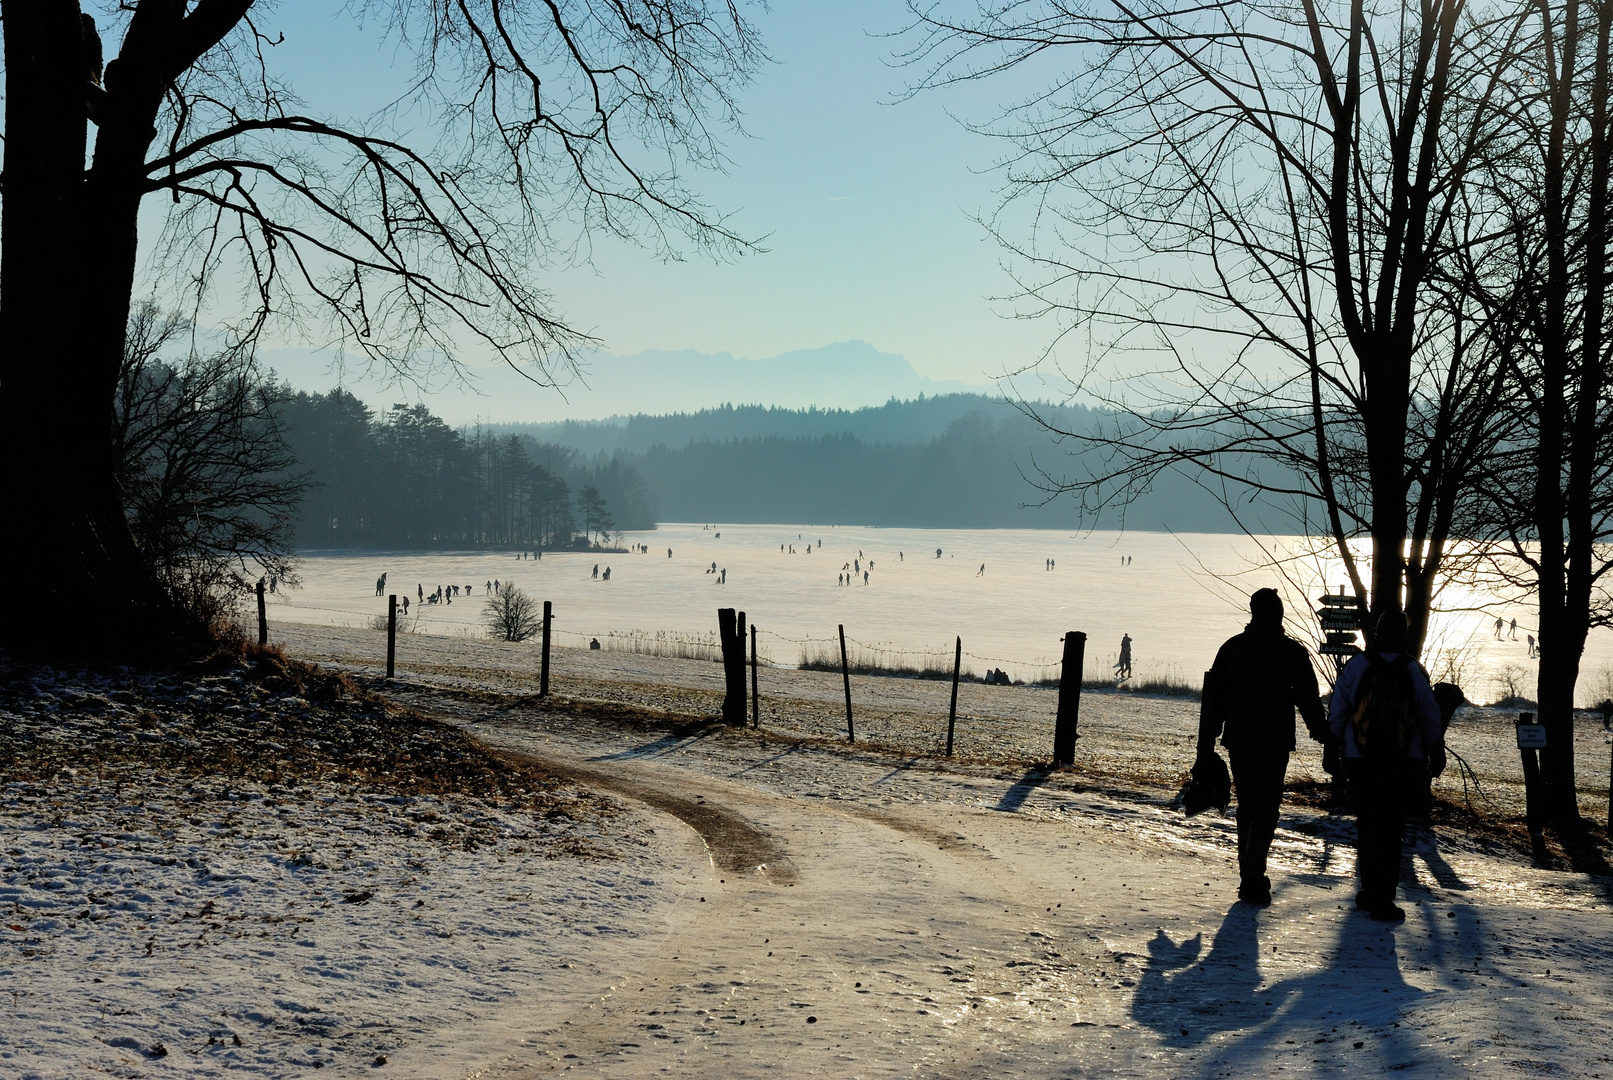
1382	785
1259	678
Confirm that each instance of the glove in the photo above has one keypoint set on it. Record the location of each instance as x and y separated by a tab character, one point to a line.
1436	761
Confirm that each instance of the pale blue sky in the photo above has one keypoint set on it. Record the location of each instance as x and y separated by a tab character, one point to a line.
866	206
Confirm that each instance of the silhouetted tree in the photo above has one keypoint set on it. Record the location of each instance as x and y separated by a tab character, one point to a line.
511	614
1249	207
209	485
402	241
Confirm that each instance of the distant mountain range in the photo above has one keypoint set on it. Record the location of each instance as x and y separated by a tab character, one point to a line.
845	375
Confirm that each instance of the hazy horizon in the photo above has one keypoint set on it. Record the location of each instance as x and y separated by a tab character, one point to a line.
839	375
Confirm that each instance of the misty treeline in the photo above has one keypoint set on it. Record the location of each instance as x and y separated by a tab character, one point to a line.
406	479
950	461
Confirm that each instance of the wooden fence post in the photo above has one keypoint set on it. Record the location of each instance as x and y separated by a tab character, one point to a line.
263	616
845	672
543	669
733	665
952	716
755	695
391	633
1066	729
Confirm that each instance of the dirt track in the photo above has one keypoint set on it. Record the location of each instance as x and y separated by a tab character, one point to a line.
977	922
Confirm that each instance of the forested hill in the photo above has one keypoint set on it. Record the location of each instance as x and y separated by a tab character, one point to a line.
405	479
951	461
915	421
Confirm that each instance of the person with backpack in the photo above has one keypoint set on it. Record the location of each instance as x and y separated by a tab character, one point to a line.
1385	711
1259	678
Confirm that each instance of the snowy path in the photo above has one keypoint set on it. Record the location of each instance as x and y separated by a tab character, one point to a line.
967	924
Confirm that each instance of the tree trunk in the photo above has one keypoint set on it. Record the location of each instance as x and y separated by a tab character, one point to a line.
1560	641
59	360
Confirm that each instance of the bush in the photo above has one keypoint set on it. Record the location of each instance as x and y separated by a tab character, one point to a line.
511	614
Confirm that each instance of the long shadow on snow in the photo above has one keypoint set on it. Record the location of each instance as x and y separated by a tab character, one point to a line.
1356	998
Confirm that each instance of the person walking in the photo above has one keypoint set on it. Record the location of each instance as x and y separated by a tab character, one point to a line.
1257	681
1123	665
1384	709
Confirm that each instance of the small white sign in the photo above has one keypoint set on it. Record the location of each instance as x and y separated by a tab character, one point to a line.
1531	736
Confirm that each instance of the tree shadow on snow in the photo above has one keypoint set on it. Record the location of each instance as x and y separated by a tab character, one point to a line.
1015	796
1189	1000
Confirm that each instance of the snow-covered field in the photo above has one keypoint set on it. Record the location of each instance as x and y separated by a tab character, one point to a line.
188	861
158	917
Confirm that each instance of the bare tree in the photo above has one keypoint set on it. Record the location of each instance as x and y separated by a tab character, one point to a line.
1548	498
209	485
511	614
397	239
1240	213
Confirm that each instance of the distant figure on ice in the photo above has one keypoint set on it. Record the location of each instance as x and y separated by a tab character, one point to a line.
669	553
593	643
1123	665
937	553
607	573
1385	711
1498	625
865	577
1534	650
982	571
487	587
380	585
1257	681
900	557
596	570
724	579
1514	621
406	603
420	591
809	549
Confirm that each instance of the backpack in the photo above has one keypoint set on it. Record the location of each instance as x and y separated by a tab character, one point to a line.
1383	723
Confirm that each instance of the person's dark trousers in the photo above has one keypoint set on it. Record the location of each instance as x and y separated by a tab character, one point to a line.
1382	790
1258	777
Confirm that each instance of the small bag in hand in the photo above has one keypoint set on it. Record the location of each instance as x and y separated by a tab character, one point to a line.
1210	785
1436	760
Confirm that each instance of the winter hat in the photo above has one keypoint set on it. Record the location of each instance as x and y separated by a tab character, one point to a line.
1391	630
1266	604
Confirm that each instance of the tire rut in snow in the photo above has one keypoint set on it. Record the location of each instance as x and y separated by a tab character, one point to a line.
736	846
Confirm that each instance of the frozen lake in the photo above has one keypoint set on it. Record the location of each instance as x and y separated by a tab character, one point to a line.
1178	596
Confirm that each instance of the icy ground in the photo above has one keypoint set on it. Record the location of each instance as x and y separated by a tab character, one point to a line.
972	924
762	906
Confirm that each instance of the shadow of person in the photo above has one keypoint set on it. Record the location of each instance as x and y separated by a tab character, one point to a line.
1225	1013
1188	1001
